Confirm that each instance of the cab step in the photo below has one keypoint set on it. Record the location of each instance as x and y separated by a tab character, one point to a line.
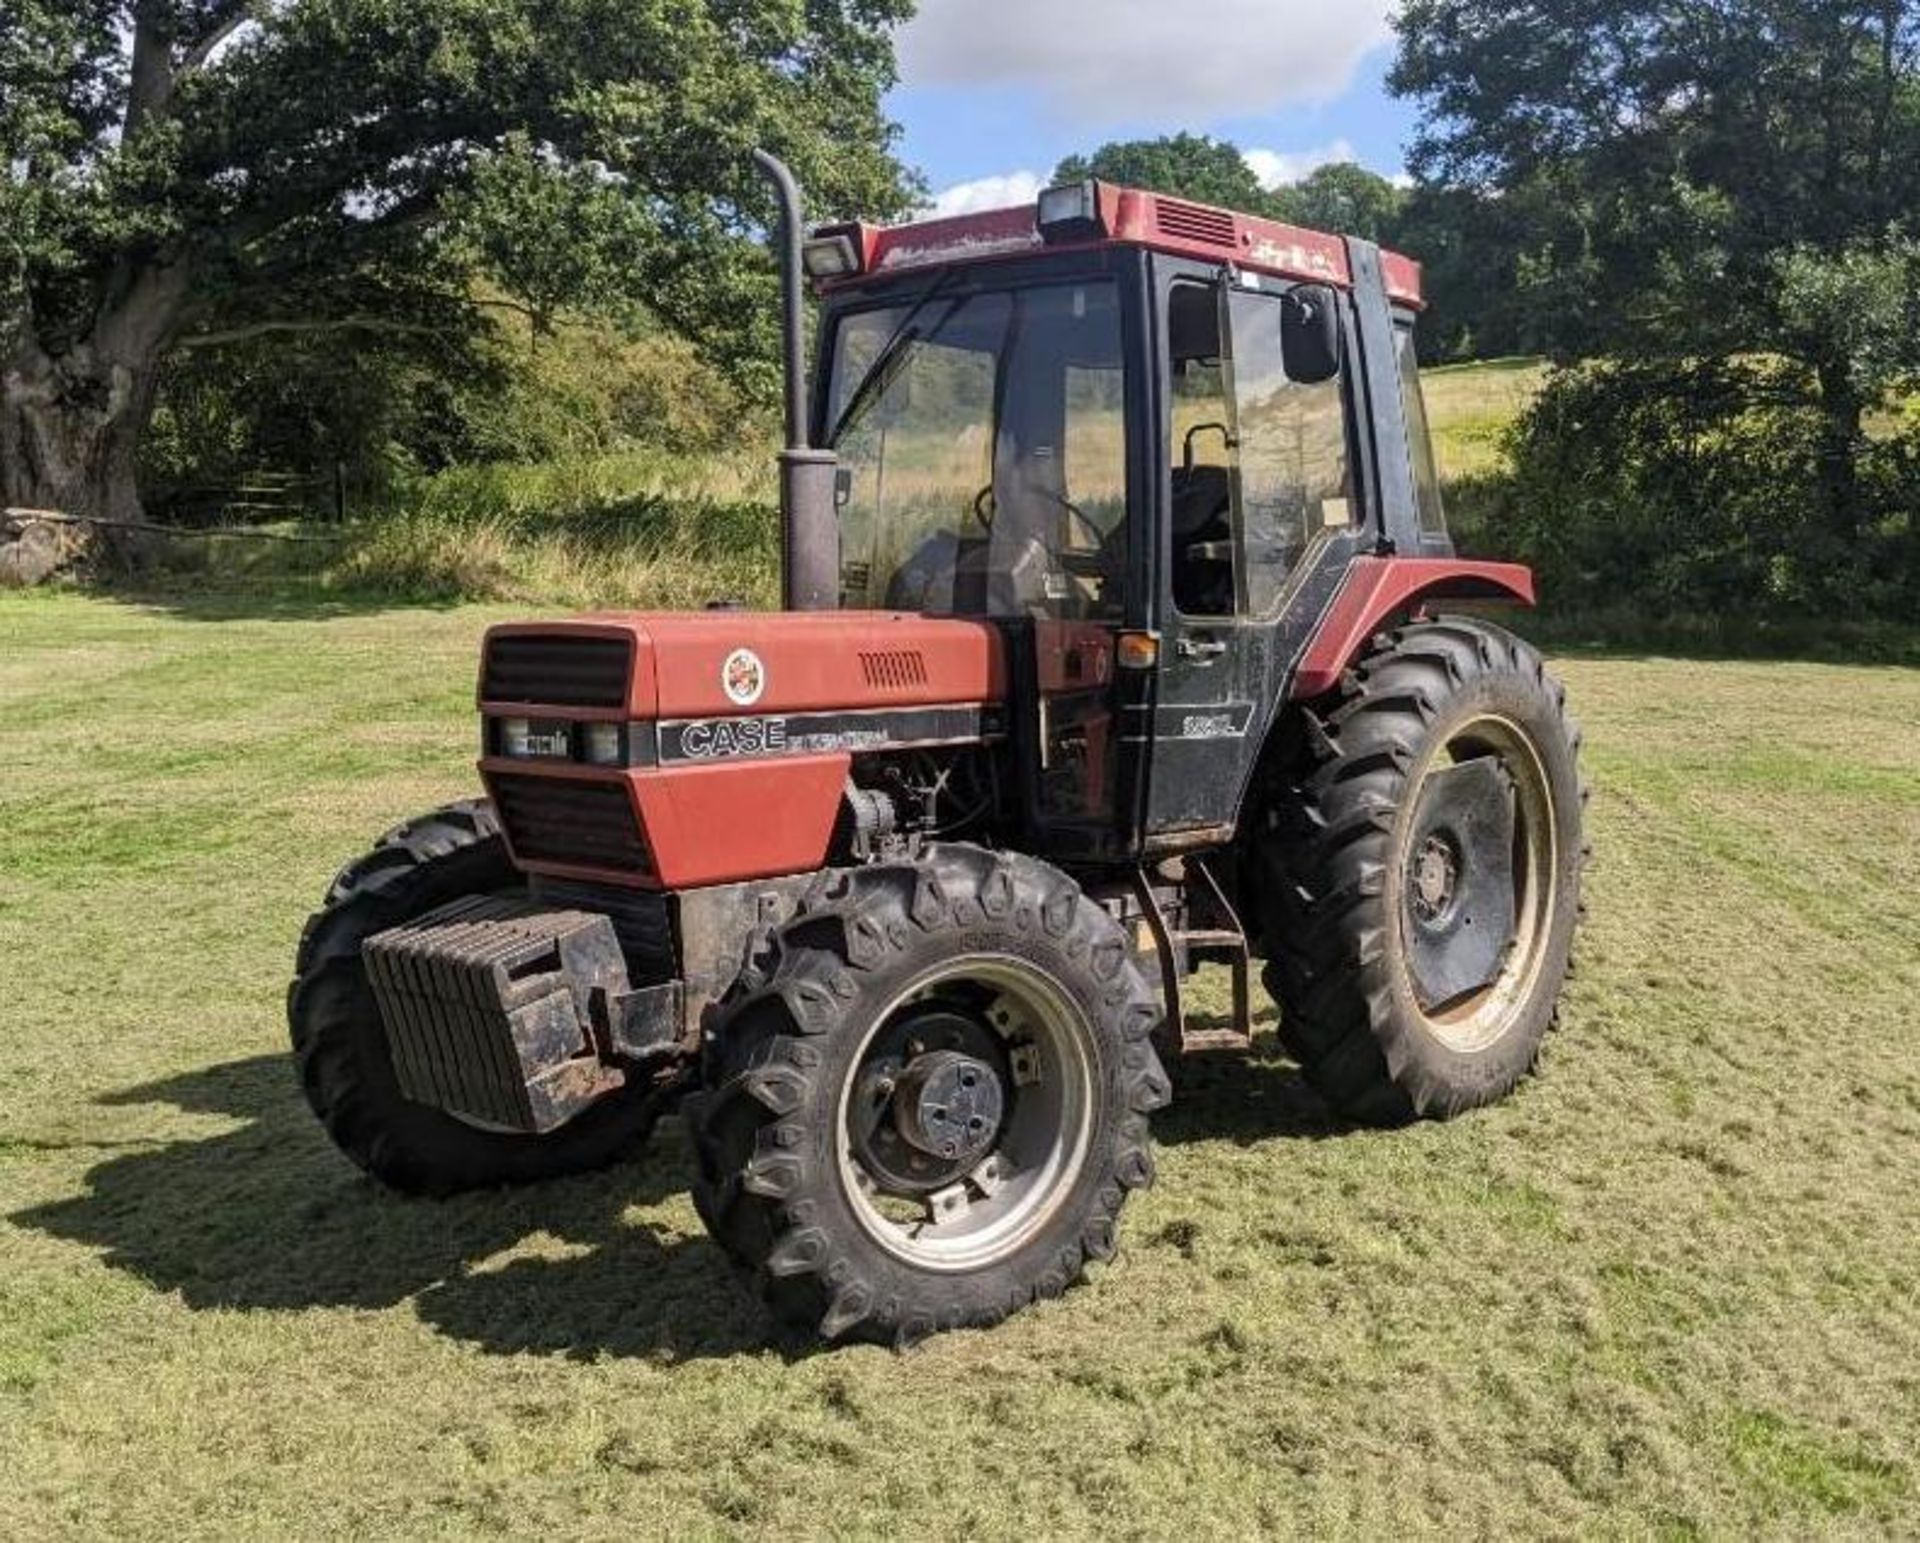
1178	947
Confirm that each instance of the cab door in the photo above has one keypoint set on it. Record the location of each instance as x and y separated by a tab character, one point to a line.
1260	507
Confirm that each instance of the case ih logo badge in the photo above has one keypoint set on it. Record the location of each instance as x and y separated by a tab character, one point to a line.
743	677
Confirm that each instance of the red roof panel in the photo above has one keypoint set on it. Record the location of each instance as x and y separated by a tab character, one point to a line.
1132	218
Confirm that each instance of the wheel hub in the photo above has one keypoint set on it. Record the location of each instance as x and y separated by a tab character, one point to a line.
933	1099
1459	889
968	1112
1436	876
949	1105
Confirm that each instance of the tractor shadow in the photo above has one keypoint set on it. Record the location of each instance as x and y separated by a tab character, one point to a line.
269	1217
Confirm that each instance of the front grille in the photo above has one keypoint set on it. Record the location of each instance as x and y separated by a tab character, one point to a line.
1193	222
639	916
895	670
574	823
557	671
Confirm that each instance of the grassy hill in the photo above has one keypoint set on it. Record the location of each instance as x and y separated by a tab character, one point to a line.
1471	406
1671	1288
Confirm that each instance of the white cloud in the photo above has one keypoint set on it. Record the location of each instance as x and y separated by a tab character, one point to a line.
1186	64
1004	192
1281	168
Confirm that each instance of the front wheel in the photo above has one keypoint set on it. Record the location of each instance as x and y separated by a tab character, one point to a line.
340	1042
929	1098
1421	870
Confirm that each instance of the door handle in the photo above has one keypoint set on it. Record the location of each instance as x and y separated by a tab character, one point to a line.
1199	650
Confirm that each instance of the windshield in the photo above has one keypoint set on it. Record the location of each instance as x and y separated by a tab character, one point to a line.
982	443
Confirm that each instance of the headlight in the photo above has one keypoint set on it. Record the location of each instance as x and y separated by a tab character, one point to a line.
831	255
603	744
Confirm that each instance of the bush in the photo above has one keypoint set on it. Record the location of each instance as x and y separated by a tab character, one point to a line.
1694	487
388	409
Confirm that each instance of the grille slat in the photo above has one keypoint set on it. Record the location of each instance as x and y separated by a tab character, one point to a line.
558	671
578	824
1193	222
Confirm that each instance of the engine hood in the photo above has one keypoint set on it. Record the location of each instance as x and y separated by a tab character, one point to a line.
670	666
739	733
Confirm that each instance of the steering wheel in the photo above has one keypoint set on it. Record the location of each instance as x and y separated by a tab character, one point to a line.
1073	509
985	506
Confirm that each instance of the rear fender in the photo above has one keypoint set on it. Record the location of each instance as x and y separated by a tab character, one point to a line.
1378	590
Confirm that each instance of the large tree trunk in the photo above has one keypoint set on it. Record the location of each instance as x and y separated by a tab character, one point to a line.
72	421
70	433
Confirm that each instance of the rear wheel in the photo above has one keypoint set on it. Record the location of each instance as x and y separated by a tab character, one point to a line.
340	1042
928	1099
1422	873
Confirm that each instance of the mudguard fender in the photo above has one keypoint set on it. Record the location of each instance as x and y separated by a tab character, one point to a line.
1379	588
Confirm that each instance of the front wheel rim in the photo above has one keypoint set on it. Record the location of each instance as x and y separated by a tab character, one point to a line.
986	1205
1481	1018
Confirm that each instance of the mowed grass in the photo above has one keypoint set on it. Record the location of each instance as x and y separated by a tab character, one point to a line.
1673	1287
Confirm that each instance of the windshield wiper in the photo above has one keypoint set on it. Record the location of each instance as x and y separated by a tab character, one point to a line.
880	373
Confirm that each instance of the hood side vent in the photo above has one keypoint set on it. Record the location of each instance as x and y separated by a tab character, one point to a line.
894	670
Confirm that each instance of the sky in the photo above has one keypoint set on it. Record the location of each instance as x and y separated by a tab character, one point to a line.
995	93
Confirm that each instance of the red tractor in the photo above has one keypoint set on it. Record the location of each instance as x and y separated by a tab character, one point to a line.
1110	649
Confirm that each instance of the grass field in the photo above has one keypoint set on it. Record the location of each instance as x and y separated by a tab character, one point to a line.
1673	1287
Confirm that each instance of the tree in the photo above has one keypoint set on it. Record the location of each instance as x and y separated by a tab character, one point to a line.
1706	181
188	174
1344	198
1209	171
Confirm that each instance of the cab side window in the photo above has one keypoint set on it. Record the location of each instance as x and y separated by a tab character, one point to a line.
1426	473
1295	483
1205	467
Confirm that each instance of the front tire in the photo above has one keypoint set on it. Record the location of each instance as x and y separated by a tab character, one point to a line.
1421	874
340	1043
928	1098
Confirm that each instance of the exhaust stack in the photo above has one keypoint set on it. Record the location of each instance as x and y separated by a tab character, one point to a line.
809	518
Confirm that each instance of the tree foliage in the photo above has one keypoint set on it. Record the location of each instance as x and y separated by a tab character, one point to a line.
1210	171
1346	198
196	173
1691	186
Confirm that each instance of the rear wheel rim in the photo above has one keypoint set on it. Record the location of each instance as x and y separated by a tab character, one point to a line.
1429	866
972	1209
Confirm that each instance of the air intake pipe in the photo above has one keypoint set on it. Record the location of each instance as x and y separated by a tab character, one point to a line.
809	517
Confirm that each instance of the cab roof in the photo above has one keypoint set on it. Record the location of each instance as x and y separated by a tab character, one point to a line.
1128	217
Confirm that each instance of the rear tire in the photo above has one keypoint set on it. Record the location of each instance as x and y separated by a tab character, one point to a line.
1352	870
340	1043
1005	954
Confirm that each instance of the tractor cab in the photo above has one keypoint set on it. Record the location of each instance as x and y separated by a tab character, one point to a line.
1145	439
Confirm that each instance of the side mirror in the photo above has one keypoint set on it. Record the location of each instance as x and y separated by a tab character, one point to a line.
1310	335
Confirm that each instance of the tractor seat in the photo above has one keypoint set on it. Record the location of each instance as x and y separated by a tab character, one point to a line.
1201	495
1202	540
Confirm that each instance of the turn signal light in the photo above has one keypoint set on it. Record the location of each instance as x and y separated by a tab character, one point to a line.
1137	650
